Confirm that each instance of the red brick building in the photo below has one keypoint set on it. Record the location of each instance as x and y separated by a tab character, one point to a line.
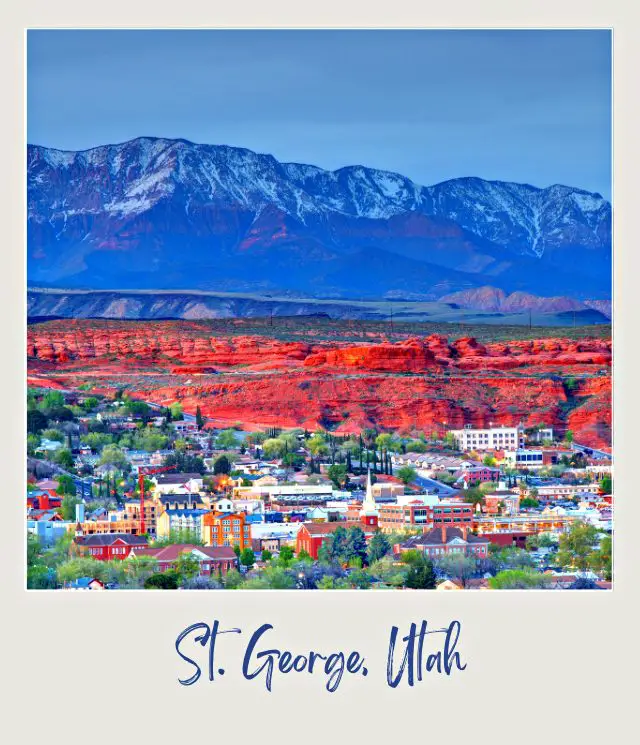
311	536
397	517
212	560
107	546
442	541
226	529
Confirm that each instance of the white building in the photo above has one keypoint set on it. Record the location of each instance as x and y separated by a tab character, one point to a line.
494	438
523	458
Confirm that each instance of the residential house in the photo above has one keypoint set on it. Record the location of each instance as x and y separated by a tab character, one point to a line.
177	483
312	536
85	583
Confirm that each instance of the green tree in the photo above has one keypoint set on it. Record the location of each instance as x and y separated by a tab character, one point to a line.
601	560
266	556
379	546
338	474
355	545
200	420
286	556
64	458
52	400
606	485
317	445
421	575
68	506
518	579
89	404
66	484
222	464
176	411
274	447
406	474
187	565
36	421
576	546
490	461
568	436
247	557
53	434
458	566
163	581
226	440
113	456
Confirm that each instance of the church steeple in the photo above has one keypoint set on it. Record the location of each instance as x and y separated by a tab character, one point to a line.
369	506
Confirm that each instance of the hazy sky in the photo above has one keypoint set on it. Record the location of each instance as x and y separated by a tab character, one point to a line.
528	106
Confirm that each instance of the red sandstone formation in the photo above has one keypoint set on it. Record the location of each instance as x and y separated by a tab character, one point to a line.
414	385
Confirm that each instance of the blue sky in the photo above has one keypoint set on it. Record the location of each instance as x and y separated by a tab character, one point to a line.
527	106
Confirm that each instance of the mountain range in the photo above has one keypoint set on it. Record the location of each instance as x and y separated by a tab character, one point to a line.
156	213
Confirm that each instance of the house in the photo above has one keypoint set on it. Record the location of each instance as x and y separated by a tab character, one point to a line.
443	541
49	446
107	546
187	501
42	500
47	526
476	475
212	560
177	483
85	583
226	529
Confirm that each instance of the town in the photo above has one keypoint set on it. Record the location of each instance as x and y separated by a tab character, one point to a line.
127	494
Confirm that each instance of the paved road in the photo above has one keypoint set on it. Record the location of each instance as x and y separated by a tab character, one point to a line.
591	451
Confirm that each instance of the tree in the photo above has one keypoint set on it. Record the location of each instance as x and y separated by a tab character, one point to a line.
162	581
226	440
222	464
89	404
36	421
187	566
247	557
379	546
338	474
576	546
601	560
317	445
286	555
518	579
606	485
355	545
490	461
113	456
458	566
64	458
66	484
406	474
266	556
68	506
52	400
421	575
528	502
568	436
200	420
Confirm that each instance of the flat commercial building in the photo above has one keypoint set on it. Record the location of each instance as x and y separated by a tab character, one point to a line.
494	438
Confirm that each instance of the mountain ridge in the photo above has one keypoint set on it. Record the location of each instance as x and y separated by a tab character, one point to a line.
174	213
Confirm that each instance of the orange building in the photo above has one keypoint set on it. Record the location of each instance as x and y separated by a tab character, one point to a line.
151	512
226	529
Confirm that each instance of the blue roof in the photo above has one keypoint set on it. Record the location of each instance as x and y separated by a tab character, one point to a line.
187	513
253	518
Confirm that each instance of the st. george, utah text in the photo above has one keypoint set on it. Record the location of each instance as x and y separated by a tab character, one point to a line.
410	657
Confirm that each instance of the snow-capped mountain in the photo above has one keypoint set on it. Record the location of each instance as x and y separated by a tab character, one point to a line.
158	213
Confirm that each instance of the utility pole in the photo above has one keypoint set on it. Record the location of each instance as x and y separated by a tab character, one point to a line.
391	317
529	319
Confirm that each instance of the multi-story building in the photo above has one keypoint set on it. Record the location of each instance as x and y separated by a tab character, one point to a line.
151	510
174	520
419	515
523	523
494	438
226	529
565	491
177	483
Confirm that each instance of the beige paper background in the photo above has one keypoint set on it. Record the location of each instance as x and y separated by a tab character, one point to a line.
542	666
